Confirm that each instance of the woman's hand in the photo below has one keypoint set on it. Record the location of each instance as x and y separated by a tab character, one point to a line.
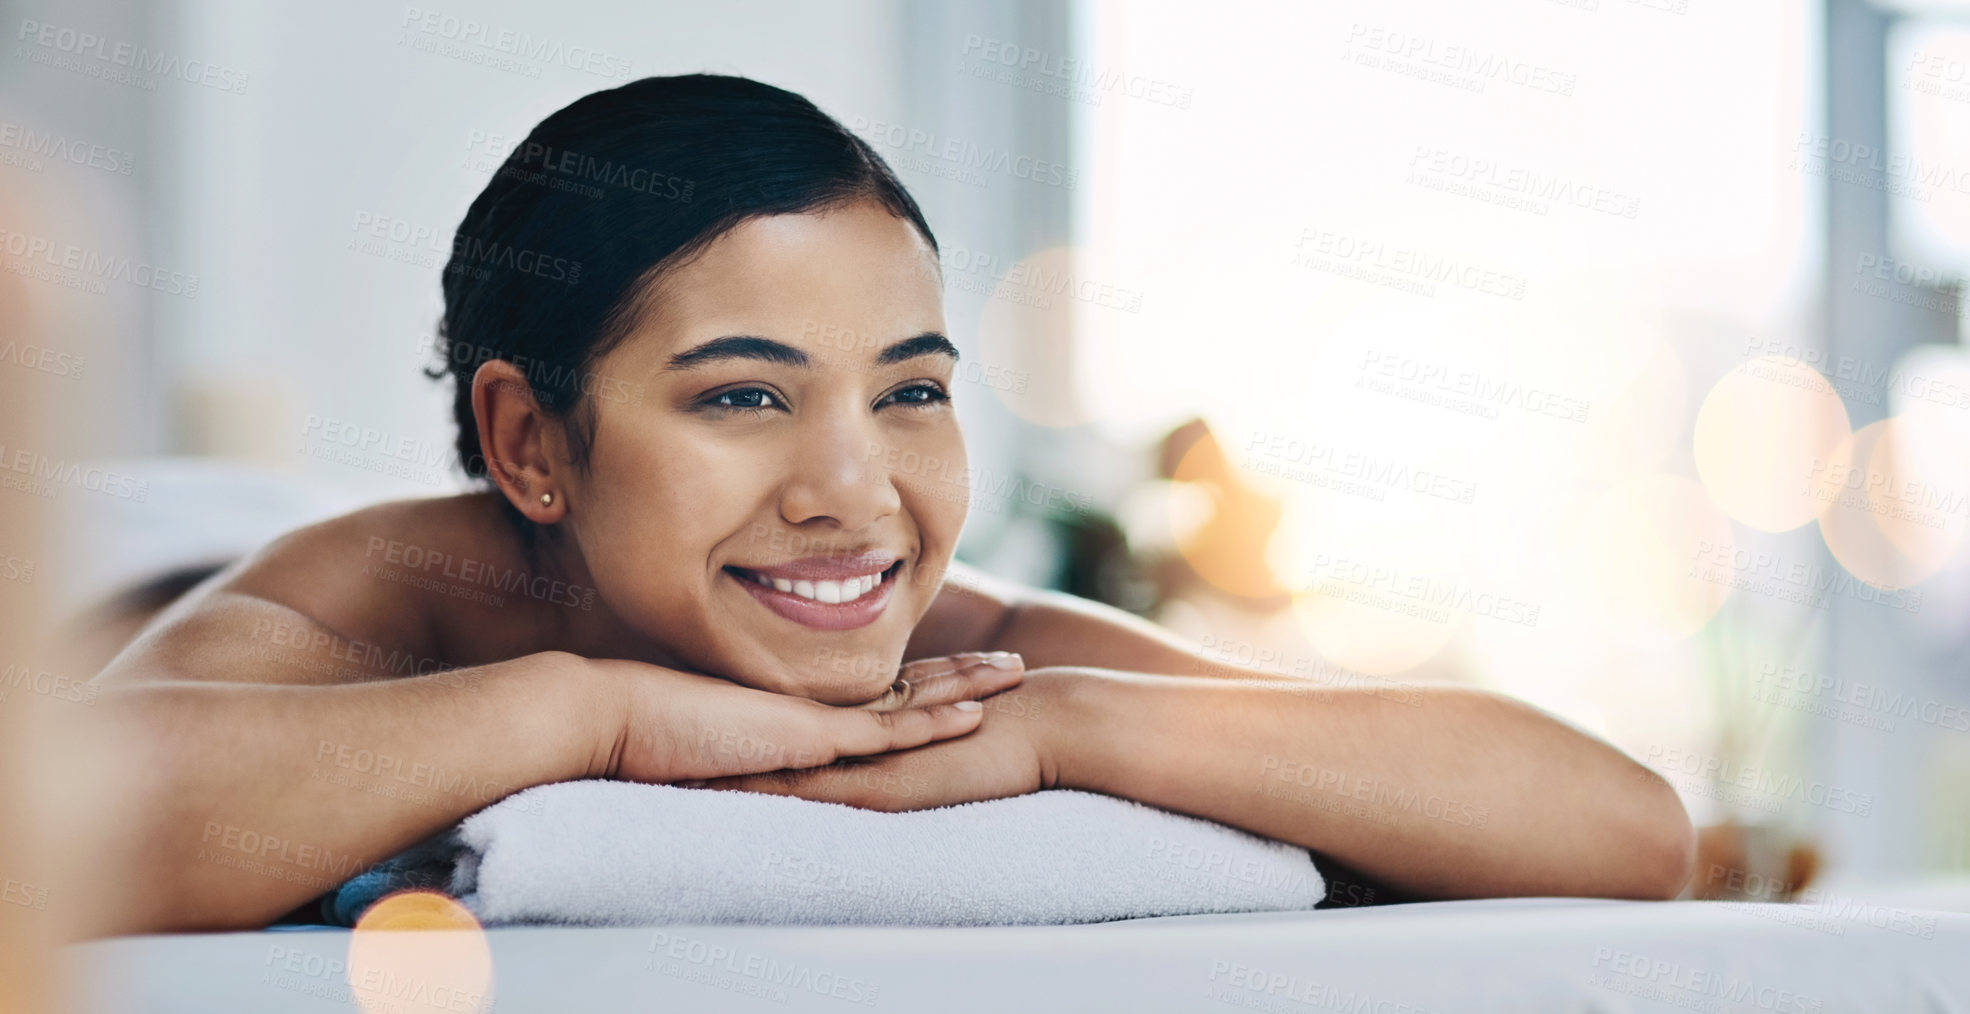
685	727
1016	749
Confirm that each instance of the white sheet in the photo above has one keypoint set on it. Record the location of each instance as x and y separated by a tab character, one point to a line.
1501	955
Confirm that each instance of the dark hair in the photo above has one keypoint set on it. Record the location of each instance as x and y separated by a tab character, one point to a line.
551	265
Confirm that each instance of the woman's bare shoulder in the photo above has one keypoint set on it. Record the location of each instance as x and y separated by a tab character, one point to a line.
358	571
328	599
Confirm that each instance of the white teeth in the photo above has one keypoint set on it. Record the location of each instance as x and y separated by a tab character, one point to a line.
830	592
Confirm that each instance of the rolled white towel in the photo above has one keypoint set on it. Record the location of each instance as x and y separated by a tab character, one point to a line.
618	853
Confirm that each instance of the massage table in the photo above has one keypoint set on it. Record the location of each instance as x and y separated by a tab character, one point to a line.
1522	954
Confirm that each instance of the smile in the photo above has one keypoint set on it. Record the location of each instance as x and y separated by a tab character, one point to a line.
843	603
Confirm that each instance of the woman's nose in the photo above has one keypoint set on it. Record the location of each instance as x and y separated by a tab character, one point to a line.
838	471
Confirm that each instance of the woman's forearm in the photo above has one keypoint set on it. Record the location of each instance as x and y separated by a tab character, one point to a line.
1442	792
256	798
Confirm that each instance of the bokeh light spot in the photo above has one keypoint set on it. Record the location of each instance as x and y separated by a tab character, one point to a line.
1759	434
417	951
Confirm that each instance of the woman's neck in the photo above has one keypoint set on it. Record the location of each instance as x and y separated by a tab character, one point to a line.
578	619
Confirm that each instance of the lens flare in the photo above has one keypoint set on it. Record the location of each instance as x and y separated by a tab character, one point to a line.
1229	549
1640	549
420	951
1386	603
1758	435
1031	350
1897	502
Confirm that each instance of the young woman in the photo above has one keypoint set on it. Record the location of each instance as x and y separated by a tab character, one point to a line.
697	337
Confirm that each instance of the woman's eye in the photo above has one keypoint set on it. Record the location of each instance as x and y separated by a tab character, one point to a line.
919	394
744	399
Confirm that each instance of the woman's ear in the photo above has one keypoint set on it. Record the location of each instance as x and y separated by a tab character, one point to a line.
519	441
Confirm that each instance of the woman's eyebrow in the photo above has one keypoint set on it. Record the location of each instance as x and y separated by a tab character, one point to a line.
738	347
768	350
929	343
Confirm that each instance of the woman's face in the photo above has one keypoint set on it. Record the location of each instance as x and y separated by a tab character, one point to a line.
791	444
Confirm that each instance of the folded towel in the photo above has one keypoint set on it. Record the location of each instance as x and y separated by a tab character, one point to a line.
620	854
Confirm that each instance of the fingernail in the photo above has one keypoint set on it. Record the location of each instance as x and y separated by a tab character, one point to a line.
1004	660
968	706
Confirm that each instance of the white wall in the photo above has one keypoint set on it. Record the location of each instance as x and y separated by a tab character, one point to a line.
346	116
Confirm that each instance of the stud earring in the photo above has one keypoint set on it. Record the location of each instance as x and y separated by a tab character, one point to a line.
547	499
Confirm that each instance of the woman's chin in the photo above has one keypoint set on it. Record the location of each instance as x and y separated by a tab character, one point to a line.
843	679
840	690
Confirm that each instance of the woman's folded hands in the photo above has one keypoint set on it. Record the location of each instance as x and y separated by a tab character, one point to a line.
685	728
1017	747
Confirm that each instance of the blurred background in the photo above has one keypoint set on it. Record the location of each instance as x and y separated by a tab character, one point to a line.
1608	353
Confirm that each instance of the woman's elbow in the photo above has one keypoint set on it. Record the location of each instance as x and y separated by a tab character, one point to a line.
1662	842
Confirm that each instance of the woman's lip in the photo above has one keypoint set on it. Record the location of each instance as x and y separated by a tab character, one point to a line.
824	615
828	568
